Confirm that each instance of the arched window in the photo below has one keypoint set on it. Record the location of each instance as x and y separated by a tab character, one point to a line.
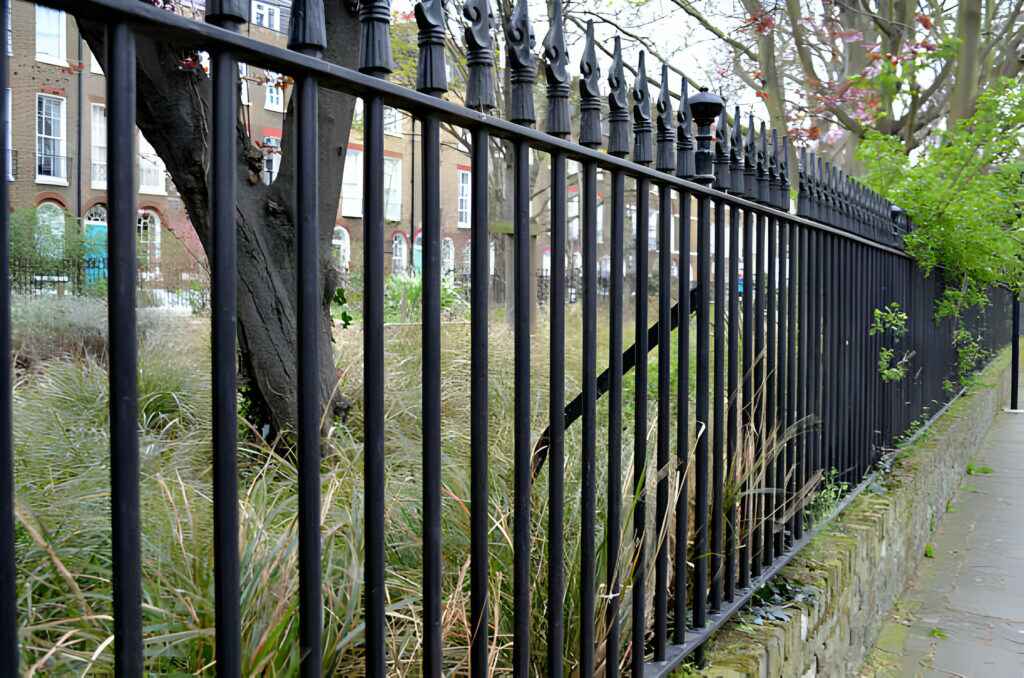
447	258
417	253
148	236
398	256
94	228
467	258
50	226
342	247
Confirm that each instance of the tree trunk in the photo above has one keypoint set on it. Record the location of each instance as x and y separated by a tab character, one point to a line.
173	110
965	87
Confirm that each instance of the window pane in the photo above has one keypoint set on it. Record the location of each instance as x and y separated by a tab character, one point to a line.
352	184
49	33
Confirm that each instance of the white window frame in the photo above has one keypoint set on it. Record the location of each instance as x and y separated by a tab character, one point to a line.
62	144
465	192
272	12
572	216
148	240
57	231
343	247
392	121
274	103
392	189
150	162
352	184
10	33
98	152
61	57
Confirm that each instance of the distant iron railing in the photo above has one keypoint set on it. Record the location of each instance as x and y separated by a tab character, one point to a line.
791	353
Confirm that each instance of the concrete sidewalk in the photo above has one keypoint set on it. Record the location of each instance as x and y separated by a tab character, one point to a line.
963	613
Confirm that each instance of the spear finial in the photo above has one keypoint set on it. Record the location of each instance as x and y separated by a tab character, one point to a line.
556	61
774	185
784	203
308	30
723	180
522	65
736	155
479	55
666	136
750	160
684	136
375	37
618	107
762	166
590	93
430	71
642	128
803	205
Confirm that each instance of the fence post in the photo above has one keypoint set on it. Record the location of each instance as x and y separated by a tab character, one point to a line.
1015	352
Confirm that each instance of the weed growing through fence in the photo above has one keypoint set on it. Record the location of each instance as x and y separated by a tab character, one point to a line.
929	550
975	470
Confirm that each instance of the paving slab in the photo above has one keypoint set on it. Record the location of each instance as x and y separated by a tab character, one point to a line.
967	601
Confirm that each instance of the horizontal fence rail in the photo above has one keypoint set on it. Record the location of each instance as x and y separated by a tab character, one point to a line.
786	393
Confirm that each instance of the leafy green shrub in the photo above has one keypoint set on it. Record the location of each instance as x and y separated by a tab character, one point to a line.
403	299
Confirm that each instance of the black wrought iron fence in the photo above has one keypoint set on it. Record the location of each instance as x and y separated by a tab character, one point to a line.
789	376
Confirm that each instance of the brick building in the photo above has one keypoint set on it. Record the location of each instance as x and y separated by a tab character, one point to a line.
58	151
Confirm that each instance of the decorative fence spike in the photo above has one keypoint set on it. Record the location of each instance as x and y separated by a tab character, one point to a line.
723	180
784	203
430	66
375	38
618	106
684	136
803	205
556	62
704	108
762	166
643	151
590	93
479	55
739	184
221	12
308	29
522	65
666	136
774	185
750	161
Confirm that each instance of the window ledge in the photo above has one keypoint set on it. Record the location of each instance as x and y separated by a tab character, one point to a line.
51	181
98	186
52	60
152	190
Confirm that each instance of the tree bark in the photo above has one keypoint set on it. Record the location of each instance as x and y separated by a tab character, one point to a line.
173	115
965	87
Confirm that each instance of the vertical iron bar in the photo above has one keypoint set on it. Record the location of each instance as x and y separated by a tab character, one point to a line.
747	345
758	419
783	464
309	405
373	379
683	428
223	319
718	408
431	158
124	443
771	365
792	381
700	541
521	350
664	417
639	616
556	452
733	400
478	433
8	570
614	521
588	506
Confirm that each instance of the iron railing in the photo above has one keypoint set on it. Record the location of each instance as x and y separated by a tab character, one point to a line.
792	353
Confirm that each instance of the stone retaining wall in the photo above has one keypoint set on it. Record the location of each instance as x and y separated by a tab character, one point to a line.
858	566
